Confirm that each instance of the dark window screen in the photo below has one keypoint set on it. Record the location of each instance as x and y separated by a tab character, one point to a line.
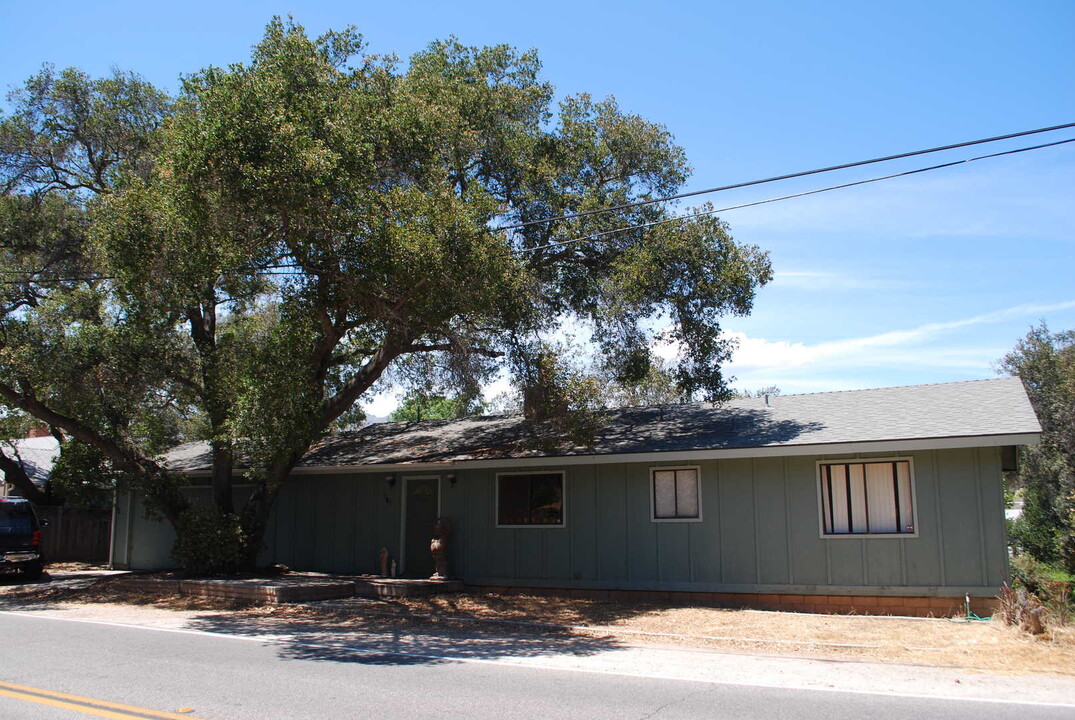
531	499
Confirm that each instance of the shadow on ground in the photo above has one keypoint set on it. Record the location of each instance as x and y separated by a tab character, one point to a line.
398	641
45	593
322	633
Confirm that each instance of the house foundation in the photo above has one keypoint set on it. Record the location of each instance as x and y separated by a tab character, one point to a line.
916	606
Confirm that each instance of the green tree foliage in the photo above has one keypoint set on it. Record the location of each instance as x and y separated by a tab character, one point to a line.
761	392
657	386
69	354
83	478
250	259
1045	362
419	406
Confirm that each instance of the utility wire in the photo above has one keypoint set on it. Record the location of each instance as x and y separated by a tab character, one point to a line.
269	270
680	218
750	183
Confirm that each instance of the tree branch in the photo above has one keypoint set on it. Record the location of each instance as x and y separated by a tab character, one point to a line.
15	474
361	381
123	457
443	347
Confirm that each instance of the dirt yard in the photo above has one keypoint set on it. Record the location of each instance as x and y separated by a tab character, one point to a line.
980	645
986	646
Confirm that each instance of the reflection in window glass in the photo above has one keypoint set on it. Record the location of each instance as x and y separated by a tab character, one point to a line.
530	499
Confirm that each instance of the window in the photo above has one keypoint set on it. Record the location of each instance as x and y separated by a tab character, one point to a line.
16	518
675	494
530	499
867	498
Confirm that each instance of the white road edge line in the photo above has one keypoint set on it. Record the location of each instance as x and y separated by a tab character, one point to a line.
281	640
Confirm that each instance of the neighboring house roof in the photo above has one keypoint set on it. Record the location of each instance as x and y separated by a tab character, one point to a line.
38	455
961	414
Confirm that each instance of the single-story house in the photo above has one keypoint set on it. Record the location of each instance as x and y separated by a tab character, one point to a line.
887	499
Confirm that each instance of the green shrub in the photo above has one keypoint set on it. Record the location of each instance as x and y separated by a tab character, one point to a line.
209	542
1036	531
1050	585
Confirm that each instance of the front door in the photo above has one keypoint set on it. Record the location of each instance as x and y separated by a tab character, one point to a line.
420	513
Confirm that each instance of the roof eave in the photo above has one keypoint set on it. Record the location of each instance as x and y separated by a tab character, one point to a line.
789	450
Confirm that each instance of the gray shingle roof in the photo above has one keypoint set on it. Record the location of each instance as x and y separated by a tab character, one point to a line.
978	408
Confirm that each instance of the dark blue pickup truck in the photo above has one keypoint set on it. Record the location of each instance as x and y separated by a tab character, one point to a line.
20	539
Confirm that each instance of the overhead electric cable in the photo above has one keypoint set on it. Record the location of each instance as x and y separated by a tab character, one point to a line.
789	176
680	218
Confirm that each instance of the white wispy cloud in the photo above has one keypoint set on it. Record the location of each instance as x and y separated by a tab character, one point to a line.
895	347
827	281
833	365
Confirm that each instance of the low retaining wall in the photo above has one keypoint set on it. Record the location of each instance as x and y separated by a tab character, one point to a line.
918	606
270	591
291	589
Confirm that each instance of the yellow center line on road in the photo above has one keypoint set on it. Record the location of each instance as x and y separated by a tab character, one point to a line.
85	705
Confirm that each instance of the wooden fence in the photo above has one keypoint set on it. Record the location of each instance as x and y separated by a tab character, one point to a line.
75	535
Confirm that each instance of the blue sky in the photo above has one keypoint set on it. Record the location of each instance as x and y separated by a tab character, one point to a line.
922	279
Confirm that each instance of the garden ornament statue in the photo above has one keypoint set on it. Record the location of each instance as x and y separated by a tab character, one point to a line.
383	555
442	528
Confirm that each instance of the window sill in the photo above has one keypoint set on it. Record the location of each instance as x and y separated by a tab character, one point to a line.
868	536
531	527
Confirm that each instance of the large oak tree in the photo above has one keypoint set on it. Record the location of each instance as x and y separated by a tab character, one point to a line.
253	257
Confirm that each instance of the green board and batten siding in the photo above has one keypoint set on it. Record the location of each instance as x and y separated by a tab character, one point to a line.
759	530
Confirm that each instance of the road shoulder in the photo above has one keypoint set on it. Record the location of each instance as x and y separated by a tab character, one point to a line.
536	650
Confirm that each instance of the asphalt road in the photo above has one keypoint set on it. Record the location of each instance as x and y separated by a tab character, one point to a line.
55	669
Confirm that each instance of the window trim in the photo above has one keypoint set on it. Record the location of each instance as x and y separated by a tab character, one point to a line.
530	526
867	535
653	493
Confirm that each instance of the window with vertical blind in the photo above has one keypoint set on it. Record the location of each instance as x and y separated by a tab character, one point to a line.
675	493
871	497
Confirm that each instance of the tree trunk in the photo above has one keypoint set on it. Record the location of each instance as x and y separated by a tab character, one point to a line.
255	516
203	324
223	460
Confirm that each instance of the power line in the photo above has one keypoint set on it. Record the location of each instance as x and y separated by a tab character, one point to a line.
33	279
680	218
269	270
750	183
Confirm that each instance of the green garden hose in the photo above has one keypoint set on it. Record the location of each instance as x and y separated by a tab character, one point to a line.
973	617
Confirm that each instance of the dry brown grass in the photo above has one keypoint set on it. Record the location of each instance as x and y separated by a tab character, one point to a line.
104	591
984	646
75	566
988	646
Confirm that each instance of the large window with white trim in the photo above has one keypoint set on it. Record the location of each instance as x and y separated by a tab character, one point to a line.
675	493
868	497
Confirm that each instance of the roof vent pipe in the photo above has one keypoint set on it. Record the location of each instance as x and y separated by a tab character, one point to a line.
766	399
